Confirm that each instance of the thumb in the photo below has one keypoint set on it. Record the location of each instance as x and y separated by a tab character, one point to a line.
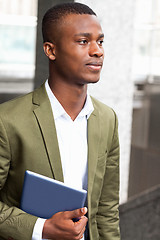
77	213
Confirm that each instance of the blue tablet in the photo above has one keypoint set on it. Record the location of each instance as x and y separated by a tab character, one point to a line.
43	196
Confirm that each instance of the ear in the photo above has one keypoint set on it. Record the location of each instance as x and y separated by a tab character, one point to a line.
49	50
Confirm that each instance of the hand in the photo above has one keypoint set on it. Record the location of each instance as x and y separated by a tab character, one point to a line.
61	226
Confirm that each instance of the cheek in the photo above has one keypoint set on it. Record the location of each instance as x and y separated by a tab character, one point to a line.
73	62
72	59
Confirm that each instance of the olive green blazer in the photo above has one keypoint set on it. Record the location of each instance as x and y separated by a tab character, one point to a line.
28	140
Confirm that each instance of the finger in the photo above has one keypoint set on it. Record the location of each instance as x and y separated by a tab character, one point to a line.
83	210
81	237
83	221
81	225
82	233
77	213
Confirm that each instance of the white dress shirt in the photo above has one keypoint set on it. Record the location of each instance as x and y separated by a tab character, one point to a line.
72	140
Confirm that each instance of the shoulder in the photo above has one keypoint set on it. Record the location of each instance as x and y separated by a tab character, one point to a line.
105	119
103	110
20	111
23	103
16	104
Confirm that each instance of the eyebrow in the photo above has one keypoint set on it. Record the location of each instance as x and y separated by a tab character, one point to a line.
88	35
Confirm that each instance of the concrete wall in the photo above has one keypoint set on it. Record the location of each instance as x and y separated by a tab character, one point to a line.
140	217
116	87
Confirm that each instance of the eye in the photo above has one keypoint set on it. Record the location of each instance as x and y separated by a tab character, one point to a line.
100	42
83	42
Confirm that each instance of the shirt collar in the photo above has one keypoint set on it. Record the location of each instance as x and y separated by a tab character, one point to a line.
59	110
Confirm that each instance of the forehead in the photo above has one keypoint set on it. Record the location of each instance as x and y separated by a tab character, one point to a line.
75	24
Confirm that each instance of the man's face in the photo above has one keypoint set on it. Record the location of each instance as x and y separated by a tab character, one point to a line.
78	49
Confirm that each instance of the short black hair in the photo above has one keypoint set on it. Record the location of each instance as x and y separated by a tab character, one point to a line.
57	12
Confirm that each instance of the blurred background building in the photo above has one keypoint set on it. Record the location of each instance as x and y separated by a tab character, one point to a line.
18	22
130	83
145	143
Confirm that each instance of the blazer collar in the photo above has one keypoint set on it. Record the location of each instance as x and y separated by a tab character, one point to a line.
44	116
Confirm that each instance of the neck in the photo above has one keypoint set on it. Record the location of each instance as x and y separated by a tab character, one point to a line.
71	97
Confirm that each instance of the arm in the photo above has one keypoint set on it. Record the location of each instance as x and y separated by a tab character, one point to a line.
13	222
108	215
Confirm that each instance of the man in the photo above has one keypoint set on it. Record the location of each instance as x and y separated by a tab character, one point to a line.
61	132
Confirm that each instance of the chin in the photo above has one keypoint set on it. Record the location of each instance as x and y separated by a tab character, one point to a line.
90	79
93	80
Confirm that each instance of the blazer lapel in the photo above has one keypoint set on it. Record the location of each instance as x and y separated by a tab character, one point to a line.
93	145
44	116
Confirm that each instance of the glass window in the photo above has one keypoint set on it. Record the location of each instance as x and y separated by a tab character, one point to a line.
18	38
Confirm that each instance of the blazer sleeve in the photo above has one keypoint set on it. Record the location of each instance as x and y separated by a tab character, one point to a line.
14	223
108	214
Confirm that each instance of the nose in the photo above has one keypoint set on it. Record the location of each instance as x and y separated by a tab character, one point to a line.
96	50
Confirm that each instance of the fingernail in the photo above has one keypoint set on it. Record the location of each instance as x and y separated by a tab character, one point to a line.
83	210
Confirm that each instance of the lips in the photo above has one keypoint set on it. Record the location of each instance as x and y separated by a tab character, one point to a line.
96	66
